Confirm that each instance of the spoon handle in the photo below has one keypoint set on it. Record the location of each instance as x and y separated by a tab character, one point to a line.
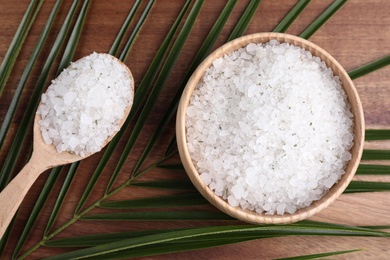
12	196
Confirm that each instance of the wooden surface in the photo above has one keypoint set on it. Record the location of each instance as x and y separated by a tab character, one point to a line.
357	34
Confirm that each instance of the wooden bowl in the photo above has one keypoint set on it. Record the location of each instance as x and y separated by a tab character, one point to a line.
356	150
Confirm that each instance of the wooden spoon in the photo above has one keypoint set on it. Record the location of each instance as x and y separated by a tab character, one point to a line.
44	156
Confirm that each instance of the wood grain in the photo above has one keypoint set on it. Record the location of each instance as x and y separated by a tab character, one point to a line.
357	34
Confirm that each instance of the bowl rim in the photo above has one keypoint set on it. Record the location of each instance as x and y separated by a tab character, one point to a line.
334	192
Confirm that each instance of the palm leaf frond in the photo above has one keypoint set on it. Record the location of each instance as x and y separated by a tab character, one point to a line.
174	184
370	67
61	196
177	167
140	243
316	256
160	216
373	169
245	19
291	16
329	12
376	155
17	42
377	134
178	200
130	41
367	186
115	46
26	73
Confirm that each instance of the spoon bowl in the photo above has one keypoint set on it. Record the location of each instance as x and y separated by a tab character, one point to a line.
44	156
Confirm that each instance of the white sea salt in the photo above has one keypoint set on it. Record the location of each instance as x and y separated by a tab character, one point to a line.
269	128
84	104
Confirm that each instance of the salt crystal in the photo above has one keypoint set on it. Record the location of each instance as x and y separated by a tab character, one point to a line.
252	90
232	201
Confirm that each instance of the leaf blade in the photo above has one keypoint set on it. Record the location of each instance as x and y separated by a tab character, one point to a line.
376	154
377	134
315	256
291	16
130	41
370	67
61	196
195	233
329	12
23	80
171	184
17	42
367	186
179	200
176	167
245	19
159	216
373	169
115	46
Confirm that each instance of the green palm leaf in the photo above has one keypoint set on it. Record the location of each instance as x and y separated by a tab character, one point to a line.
166	248
98	239
373	66
115	46
61	196
373	169
178	200
329	12
17	42
130	41
367	186
166	184
22	83
138	243
246	17
291	16
377	134
177	167
316	256
376	155
160	216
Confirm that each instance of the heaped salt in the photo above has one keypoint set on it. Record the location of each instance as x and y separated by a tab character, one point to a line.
85	103
276	128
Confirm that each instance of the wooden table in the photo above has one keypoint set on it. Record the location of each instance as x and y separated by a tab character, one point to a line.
357	34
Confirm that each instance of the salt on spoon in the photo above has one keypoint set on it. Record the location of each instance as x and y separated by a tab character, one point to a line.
93	95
